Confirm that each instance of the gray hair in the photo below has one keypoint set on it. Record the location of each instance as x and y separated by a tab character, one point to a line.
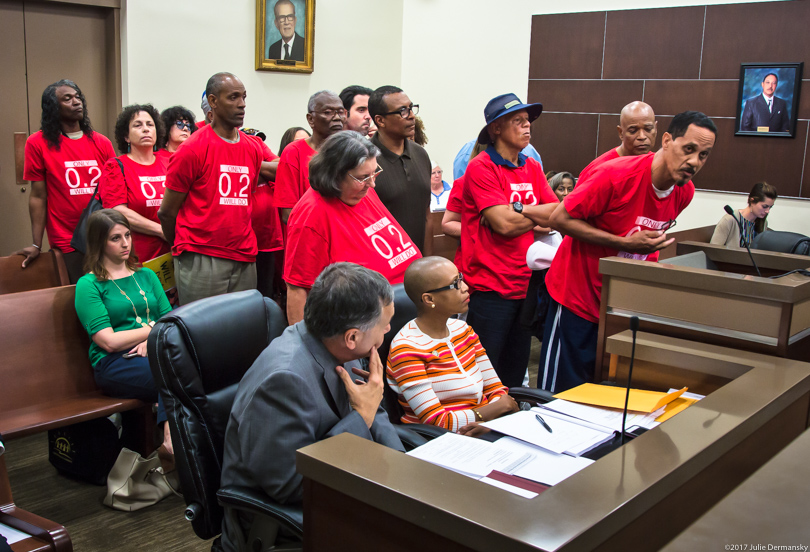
343	297
316	95
558	178
340	153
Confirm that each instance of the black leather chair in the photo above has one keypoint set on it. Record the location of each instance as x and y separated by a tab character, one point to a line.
198	354
782	242
404	312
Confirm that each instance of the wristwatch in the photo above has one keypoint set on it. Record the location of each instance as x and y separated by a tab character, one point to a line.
518	206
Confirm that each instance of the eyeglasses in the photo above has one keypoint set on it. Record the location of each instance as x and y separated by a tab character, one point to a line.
404	112
329	113
368	178
455	285
285	18
669	224
183	124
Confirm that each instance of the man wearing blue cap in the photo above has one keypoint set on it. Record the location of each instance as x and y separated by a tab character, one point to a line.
502	188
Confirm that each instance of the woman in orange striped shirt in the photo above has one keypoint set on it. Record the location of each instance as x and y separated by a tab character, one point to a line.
437	365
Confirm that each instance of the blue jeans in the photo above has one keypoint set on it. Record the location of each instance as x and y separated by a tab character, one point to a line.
507	342
128	378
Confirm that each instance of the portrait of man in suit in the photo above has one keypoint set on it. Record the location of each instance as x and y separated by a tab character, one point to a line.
766	112
291	44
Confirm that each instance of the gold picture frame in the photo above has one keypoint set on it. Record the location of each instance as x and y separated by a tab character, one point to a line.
274	51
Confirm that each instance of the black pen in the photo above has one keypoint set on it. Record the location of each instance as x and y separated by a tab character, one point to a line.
542	421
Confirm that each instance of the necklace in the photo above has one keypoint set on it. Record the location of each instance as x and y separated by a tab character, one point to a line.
138	319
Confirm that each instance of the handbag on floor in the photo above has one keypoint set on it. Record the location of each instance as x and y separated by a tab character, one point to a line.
136	482
86	450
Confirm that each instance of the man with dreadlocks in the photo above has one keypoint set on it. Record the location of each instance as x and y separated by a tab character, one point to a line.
63	162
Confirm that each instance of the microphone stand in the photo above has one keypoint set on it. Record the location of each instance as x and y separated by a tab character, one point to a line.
730	211
634	329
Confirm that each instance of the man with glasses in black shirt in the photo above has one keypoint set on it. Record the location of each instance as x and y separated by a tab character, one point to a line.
404	186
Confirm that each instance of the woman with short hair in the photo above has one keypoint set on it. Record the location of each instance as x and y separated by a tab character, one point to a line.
752	220
562	184
341	219
133	182
179	125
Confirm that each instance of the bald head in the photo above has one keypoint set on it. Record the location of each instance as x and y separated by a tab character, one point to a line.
217	82
425	274
637	129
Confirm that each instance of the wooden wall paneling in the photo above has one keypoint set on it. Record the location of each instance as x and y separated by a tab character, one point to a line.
738	162
654	43
753	33
714	98
571	46
804	126
804	94
585	96
566	142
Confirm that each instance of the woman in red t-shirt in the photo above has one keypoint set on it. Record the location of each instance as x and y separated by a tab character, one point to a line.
133	183
341	219
178	124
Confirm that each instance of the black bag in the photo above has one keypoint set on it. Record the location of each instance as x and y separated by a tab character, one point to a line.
79	239
533	311
86	451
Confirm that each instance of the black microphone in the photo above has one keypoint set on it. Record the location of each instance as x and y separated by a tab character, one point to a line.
634	329
730	211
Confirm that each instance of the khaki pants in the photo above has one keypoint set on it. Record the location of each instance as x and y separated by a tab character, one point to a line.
199	276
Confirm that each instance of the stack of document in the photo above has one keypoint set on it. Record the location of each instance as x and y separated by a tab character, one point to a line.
507	463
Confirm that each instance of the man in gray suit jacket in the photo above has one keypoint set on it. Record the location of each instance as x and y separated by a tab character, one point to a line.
766	110
299	390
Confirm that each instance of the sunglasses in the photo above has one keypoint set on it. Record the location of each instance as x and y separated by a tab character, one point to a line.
455	285
183	125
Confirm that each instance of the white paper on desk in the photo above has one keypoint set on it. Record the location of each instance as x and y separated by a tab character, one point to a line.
11	534
524	426
609	418
469	456
547	467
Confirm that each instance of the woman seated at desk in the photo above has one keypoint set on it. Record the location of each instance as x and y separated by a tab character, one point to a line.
118	304
752	220
437	365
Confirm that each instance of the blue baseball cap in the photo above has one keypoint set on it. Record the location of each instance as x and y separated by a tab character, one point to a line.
502	105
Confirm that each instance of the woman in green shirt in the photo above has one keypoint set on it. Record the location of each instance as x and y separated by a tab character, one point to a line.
118	303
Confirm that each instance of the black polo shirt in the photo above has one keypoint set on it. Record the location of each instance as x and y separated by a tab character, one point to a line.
404	187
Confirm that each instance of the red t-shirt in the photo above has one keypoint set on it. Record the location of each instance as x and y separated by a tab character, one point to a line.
163	152
292	177
201	124
618	198
266	222
322	231
494	262
71	174
454	204
141	189
609	155
220	179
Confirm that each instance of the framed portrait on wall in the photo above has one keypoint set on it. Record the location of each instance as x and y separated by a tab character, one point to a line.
768	99
285	35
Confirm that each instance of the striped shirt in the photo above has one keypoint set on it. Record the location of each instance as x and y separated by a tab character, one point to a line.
440	381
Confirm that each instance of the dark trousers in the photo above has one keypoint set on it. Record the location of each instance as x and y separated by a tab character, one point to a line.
507	342
265	272
128	378
74	262
568	356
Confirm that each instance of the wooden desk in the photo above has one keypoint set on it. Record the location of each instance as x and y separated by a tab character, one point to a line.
362	496
770	507
724	306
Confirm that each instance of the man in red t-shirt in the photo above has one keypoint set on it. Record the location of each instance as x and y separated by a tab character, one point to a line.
63	162
501	188
623	208
326	116
637	131
206	210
